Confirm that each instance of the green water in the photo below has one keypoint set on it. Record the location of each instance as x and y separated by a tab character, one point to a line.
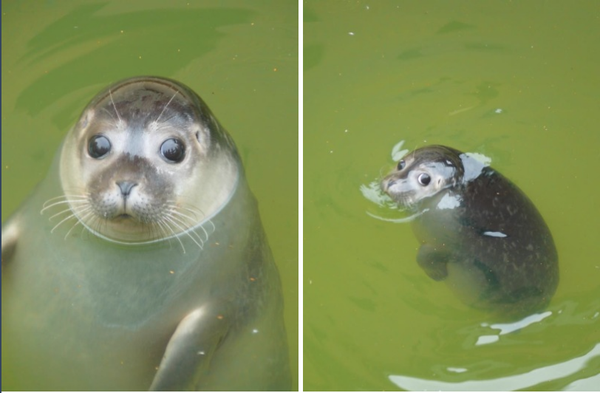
516	81
241	57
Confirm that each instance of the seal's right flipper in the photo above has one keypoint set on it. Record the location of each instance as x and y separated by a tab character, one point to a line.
190	350
433	262
10	235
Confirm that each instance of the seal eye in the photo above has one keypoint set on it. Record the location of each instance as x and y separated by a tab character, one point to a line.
424	179
173	150
401	165
98	146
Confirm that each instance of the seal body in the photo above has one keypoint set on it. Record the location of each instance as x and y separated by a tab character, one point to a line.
151	270
478	231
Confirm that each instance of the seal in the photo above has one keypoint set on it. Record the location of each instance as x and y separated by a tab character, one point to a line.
478	231
148	267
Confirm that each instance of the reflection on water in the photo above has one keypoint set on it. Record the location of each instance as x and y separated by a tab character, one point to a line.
506	328
375	194
513	382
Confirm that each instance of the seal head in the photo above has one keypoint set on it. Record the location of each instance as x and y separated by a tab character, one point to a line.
130	166
422	174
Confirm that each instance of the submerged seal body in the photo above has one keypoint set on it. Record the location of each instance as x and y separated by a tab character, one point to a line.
478	231
149	267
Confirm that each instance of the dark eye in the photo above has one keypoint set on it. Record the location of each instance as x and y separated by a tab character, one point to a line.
424	179
401	165
98	146
173	150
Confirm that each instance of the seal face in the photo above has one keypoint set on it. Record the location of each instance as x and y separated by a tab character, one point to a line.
148	267
420	176
478	231
128	164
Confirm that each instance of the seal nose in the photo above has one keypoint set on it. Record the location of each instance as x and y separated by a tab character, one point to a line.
126	187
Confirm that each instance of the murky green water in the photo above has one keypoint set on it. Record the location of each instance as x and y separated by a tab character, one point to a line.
516	81
241	57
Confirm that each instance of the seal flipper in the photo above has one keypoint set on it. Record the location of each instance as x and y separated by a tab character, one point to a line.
190	349
433	262
10	235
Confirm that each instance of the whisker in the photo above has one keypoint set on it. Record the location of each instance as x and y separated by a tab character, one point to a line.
98	223
81	202
191	211
114	106
189	207
170	219
155	230
59	213
64	197
168	118
193	220
78	222
53	199
172	232
205	233
76	210
111	114
63	220
186	227
214	228
163	111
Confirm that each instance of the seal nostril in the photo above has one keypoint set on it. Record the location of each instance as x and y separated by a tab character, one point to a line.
390	183
126	187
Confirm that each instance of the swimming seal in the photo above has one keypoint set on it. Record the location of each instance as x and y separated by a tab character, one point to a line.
478	231
148	267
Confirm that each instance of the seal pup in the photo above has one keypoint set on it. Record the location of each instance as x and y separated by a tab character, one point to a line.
148	267
478	231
